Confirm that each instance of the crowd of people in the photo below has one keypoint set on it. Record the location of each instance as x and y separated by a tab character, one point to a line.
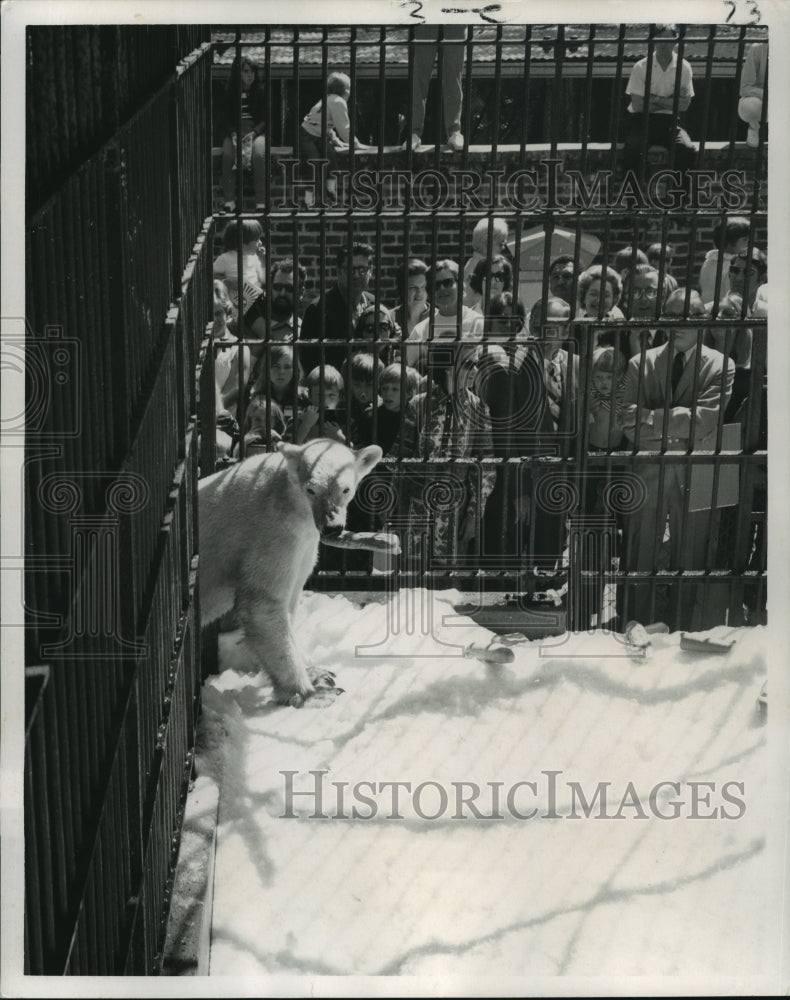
454	370
430	377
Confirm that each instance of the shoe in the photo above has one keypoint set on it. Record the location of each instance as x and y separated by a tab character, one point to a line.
309	199
456	142
260	207
753	137
416	140
229	206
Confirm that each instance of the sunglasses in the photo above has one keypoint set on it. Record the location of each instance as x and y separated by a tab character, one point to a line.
360	269
279	286
445	283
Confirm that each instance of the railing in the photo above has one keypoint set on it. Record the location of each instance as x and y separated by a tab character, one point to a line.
548	163
117	302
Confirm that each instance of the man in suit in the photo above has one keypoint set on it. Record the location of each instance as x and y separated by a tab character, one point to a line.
334	317
666	400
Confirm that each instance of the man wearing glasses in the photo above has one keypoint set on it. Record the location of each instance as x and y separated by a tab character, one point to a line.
282	288
335	316
642	301
451	319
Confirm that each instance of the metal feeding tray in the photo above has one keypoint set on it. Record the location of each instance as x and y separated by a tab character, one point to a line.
695	645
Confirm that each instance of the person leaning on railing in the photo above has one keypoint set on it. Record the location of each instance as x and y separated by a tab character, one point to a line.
658	395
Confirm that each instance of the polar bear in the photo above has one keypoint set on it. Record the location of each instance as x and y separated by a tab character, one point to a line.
260	526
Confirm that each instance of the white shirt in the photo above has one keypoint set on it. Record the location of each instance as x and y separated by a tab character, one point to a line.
662	81
444	328
226	267
337	117
707	275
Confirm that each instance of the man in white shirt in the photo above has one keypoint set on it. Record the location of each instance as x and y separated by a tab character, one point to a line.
444	324
652	113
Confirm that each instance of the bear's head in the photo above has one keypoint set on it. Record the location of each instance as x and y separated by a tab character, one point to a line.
327	473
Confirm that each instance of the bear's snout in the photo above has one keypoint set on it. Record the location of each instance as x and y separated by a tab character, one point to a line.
328	518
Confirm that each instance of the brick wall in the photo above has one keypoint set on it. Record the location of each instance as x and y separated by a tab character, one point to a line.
463	198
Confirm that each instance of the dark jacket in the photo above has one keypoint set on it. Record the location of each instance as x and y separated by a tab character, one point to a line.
338	325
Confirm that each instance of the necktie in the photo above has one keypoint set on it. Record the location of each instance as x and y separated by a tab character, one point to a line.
677	370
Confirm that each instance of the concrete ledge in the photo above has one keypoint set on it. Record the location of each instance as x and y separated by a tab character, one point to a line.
188	937
530	148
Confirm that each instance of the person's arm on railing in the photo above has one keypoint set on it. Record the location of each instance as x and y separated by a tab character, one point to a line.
651	421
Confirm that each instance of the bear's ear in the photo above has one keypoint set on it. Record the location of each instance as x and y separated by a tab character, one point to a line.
367	458
292	453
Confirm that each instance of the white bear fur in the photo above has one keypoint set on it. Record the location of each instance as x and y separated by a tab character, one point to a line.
260	526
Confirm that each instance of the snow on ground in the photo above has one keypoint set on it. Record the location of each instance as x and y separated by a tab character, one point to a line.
436	886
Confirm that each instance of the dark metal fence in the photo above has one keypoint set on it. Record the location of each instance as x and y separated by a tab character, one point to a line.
545	122
117	275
